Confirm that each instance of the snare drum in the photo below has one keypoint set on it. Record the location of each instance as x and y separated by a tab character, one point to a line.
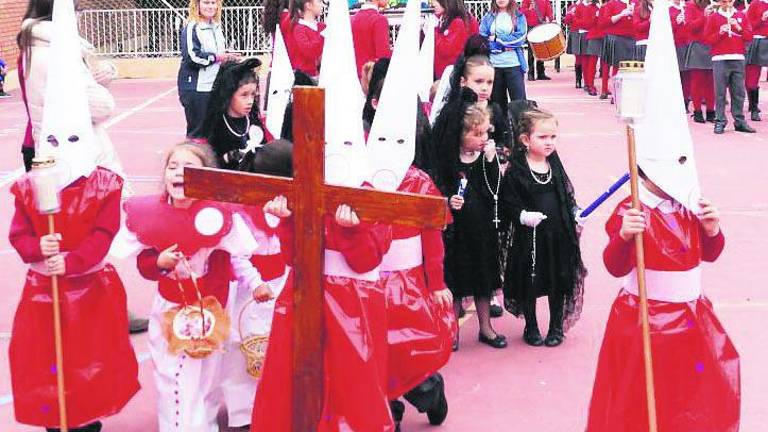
546	41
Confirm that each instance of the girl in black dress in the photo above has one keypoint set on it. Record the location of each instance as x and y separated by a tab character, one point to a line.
543	259
469	173
232	120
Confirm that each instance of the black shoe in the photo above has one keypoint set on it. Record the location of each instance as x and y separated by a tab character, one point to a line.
496	311
439	411
137	325
4	95
397	408
603	95
532	336
592	91
710	116
755	116
543	78
698	117
93	427
554	338
743	127
498	342
719	128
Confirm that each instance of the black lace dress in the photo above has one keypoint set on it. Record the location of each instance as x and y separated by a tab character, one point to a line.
471	241
558	272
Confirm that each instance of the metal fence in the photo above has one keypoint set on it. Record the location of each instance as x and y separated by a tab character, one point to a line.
154	32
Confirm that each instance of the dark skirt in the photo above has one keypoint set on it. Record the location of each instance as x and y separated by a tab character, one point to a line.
595	47
577	43
640	51
681	50
618	49
757	52
698	56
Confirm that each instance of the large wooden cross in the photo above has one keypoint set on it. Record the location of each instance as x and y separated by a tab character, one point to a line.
310	199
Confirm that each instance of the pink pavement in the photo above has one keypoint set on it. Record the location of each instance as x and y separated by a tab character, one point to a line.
520	388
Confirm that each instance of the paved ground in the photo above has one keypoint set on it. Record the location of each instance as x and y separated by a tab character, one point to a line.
520	388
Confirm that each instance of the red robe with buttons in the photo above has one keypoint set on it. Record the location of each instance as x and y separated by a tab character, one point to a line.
449	44
100	368
355	394
696	367
420	331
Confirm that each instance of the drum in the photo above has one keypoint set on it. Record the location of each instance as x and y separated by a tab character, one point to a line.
546	41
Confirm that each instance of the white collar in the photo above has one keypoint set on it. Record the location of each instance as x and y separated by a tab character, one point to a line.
369	6
310	24
654	201
680	6
728	14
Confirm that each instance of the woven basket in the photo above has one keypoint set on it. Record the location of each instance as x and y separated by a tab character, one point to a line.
254	347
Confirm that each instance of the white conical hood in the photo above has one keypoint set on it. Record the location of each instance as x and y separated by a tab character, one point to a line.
427	60
280	83
392	140
344	135
664	144
66	132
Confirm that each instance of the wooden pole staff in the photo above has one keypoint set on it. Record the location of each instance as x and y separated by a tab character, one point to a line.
643	293
57	340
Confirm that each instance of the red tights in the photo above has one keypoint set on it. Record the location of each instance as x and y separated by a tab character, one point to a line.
702	89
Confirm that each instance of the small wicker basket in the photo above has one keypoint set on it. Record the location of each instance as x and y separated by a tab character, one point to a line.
254	347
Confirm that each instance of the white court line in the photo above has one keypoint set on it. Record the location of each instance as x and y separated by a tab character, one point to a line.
109	123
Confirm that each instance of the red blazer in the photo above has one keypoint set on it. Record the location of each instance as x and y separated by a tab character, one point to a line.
622	27
723	44
642	26
569	16
593	23
370	33
695	21
545	8
308	48
755	16
449	44
679	31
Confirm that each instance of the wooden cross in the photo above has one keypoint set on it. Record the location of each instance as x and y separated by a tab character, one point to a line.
310	199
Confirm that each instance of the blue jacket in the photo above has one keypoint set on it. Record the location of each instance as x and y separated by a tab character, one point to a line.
200	42
500	42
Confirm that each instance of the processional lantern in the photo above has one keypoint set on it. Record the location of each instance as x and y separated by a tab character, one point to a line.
630	90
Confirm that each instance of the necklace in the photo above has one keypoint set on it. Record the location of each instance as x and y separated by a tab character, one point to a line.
239	135
495	193
536	175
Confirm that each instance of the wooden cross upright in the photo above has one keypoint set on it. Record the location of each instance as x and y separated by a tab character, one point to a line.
310	199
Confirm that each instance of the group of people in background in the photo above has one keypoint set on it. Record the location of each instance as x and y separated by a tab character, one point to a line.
515	225
721	51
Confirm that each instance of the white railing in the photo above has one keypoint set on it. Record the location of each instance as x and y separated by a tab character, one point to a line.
155	32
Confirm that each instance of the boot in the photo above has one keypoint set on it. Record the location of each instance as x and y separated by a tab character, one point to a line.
531	76
710	116
752	96
531	333
698	117
578	76
555	334
540	75
397	409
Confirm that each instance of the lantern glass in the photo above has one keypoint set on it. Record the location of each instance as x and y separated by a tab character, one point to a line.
46	180
629	91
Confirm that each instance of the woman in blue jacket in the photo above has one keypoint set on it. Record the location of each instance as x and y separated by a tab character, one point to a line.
203	48
505	28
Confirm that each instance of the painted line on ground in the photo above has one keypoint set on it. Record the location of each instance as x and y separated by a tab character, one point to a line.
109	123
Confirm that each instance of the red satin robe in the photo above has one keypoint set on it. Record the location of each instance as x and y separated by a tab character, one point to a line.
420	331
100	368
696	367
355	394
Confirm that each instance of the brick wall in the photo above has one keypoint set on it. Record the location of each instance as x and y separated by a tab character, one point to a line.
11	12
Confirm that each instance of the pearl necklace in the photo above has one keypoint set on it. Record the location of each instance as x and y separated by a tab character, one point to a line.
536	178
247	126
495	193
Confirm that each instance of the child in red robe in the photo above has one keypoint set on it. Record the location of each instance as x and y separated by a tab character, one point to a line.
307	32
370	32
100	368
696	367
